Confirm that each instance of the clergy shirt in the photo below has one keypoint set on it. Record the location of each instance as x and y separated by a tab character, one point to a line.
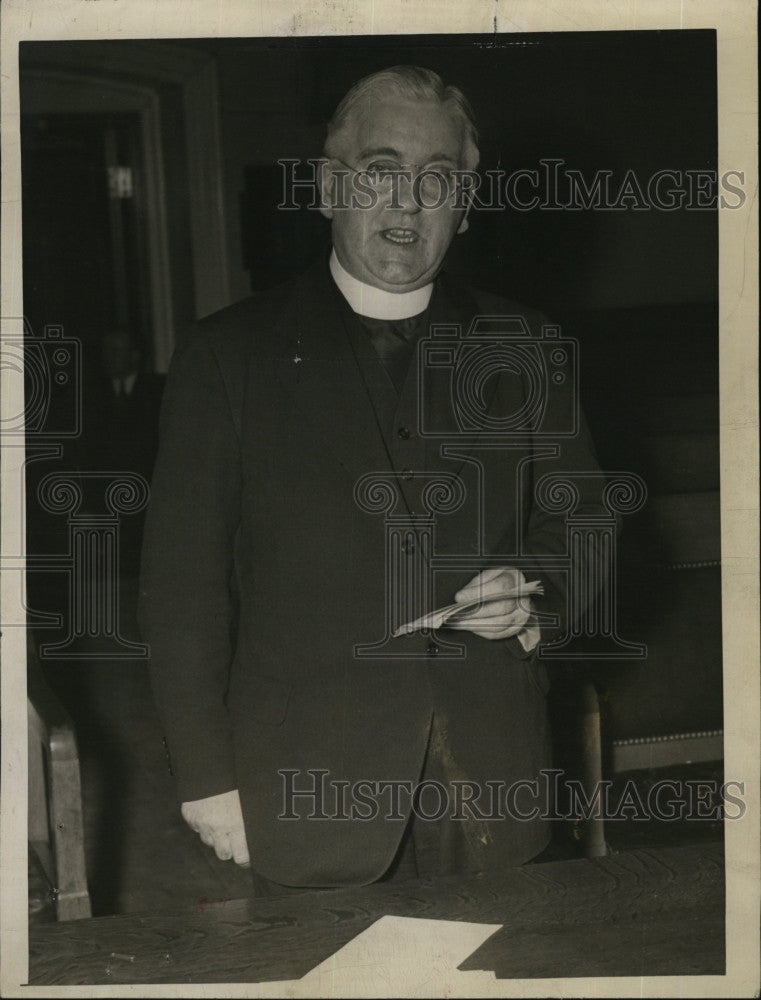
378	304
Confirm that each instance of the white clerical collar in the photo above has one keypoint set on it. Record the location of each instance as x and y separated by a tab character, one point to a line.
377	303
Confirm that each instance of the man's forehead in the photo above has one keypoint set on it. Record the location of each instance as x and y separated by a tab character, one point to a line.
413	131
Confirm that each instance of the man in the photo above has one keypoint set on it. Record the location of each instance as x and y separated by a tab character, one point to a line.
265	589
123	407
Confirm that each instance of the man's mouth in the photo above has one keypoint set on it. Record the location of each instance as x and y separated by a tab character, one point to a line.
400	236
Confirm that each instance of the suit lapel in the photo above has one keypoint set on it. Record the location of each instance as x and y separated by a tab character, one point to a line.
321	373
320	370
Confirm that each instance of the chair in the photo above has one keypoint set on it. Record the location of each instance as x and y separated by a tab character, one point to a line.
650	392
574	708
55	830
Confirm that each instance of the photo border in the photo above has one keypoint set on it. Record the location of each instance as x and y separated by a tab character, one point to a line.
736	27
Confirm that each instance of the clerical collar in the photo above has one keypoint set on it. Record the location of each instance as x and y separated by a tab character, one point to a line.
377	303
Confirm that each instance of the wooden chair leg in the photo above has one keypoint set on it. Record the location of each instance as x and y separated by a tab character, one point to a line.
72	896
55	796
38	827
594	834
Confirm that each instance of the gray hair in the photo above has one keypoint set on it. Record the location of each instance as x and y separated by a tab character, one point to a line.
410	82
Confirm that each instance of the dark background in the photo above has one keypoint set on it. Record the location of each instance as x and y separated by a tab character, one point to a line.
631	100
642	101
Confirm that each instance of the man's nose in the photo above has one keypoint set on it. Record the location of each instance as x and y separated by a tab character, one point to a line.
403	196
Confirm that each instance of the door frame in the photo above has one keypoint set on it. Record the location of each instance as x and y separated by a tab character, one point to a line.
126	77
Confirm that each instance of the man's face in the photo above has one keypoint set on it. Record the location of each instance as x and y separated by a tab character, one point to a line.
396	244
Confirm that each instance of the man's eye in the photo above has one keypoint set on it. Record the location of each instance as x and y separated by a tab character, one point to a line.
446	173
383	171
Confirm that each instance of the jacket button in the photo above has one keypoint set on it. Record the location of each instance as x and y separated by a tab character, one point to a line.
403	433
168	756
433	649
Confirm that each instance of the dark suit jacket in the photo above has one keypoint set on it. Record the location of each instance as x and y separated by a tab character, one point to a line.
262	572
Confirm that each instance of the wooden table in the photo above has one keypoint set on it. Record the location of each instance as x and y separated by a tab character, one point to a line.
646	912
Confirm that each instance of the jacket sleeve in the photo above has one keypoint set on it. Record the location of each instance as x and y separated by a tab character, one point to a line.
186	608
563	455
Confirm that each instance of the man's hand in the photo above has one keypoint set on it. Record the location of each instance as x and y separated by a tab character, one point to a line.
497	619
219	823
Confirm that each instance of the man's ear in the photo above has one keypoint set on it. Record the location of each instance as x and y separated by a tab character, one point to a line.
463	227
469	193
326	184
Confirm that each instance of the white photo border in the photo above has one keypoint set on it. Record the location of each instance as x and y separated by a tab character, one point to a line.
736	27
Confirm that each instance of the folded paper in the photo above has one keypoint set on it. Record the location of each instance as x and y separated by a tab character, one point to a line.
455	615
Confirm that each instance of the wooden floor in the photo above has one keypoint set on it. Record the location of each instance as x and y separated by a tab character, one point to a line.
636	913
140	854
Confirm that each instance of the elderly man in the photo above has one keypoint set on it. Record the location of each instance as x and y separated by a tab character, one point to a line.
307	738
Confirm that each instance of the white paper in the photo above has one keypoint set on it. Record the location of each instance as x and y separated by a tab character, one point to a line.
401	956
455	615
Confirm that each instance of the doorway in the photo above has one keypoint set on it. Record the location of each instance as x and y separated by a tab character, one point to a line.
84	253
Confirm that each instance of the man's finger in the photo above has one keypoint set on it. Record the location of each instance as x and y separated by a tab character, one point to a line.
492	609
483	583
514	609
206	834
222	847
496	633
499	581
486	575
239	849
490	625
188	814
